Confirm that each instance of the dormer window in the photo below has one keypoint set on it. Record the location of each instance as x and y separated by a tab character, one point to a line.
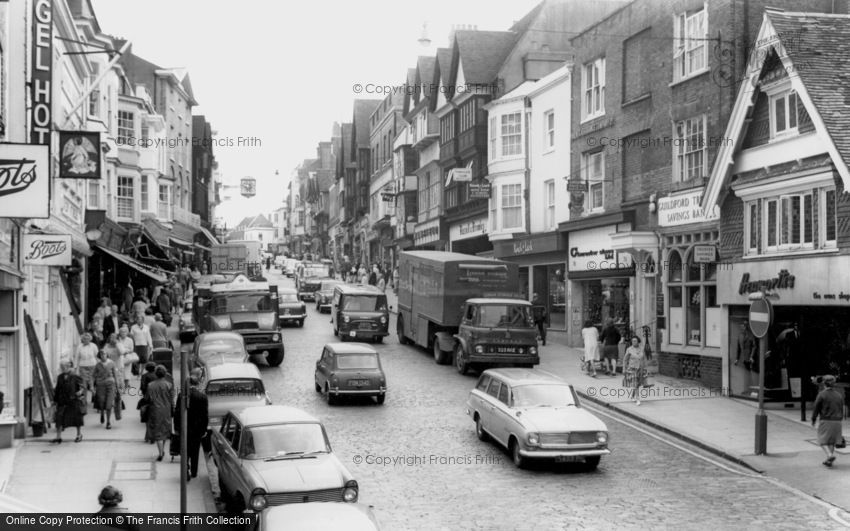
783	114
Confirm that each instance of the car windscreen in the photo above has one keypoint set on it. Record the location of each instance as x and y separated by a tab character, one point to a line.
241	302
542	395
318	271
222	346
287	297
235	387
357	361
364	303
503	315
275	440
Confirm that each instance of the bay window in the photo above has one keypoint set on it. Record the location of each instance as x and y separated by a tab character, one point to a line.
511	206
126	128
511	134
125	196
787	222
164	205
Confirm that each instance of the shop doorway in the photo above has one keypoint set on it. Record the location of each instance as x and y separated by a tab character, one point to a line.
550	284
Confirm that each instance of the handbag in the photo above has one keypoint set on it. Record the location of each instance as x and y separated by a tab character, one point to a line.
82	406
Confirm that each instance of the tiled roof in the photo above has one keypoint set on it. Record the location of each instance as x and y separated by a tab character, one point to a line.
524	23
443	64
425	75
820	52
260	221
363	109
482	53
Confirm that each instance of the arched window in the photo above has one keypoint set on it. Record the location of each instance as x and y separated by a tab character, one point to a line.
694	315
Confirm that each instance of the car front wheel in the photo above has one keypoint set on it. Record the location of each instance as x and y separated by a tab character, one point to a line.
592	462
381	399
518	458
275	358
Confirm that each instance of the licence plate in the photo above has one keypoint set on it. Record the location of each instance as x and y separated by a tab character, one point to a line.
365	326
568	459
506	350
358	383
353	333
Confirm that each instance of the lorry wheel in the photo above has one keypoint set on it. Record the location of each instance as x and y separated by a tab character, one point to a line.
460	363
274	358
399	328
441	357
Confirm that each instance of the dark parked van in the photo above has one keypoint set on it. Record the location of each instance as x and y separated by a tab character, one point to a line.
359	311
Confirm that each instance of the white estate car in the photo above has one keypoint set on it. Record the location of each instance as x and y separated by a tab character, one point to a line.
536	415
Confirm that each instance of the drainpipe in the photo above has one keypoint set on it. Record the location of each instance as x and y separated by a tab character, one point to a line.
527	165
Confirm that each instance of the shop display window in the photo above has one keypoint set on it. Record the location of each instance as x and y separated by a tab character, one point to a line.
607	299
692	299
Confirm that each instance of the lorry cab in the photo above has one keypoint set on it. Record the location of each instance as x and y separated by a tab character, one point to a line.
496	331
359	311
247	308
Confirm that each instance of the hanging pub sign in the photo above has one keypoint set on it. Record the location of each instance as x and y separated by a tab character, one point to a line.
388	192
42	72
47	249
79	155
479	189
24	181
249	187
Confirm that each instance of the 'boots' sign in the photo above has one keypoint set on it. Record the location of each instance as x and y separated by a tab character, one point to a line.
47	249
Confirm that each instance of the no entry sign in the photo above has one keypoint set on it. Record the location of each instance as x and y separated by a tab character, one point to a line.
761	317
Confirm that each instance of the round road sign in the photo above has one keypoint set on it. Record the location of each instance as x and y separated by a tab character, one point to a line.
761	317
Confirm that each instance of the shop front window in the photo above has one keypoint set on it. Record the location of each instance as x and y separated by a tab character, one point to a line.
694	313
607	299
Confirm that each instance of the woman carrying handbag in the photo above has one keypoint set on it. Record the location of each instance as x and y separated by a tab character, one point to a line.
634	369
70	399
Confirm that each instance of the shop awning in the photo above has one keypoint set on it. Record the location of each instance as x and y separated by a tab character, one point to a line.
209	236
158	276
178	241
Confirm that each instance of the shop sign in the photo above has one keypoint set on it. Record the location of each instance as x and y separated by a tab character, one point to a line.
574	185
47	249
784	280
823	281
248	187
705	254
427	233
591	250
388	192
468	229
24	181
479	189
42	73
684	208
534	245
461	175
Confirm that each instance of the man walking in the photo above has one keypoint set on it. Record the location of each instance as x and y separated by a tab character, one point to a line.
539	313
829	406
197	418
159	332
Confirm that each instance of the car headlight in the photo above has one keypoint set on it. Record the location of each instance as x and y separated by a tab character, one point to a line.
479	349
602	438
276	337
533	439
223	323
349	494
258	500
346	319
383	320
532	350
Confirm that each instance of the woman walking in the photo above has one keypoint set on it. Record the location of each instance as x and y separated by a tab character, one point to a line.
128	351
160	399
69	396
106	387
590	335
634	363
85	358
142	341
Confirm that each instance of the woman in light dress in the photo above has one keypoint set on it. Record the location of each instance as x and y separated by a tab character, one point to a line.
590	335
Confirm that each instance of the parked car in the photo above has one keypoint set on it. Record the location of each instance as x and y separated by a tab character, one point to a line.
187	322
291	309
215	348
350	370
536	415
325	294
274	455
233	386
319	517
359	311
289	266
309	286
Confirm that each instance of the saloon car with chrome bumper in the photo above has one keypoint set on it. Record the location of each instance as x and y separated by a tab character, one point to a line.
273	455
290	308
536	415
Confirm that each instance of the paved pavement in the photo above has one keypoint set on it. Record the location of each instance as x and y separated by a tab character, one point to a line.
68	477
717	423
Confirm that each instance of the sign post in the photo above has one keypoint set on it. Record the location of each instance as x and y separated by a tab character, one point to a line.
761	317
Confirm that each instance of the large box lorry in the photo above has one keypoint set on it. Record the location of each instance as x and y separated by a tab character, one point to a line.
466	309
237	256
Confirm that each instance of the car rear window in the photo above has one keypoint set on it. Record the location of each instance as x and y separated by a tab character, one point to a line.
357	361
540	395
235	387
